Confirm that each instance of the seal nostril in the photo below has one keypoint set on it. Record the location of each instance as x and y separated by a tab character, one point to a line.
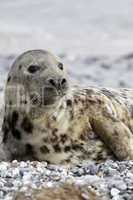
52	82
63	81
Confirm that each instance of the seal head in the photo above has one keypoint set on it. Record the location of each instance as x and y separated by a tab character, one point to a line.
40	79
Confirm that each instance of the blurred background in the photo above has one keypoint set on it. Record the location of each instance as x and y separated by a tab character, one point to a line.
93	37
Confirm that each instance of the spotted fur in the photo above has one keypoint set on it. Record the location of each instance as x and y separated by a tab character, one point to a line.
84	123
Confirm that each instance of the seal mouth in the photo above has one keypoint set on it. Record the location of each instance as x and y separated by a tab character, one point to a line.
47	96
51	95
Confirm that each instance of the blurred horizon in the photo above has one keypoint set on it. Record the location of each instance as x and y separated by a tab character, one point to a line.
77	27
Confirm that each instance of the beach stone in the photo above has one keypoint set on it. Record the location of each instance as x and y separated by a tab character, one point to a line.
114	192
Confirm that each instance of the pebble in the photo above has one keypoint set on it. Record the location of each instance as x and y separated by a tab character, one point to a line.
114	192
119	184
117	178
23	164
1	194
3	166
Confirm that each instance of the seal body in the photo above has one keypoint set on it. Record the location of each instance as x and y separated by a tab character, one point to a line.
80	124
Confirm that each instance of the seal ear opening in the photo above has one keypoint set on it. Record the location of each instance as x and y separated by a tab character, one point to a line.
8	79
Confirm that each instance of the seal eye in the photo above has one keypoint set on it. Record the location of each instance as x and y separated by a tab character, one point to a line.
33	68
60	65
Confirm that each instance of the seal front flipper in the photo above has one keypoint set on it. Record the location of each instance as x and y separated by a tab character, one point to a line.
116	135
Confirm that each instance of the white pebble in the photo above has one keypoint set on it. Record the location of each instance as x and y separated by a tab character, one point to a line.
1	194
15	172
114	192
3	166
23	164
27	179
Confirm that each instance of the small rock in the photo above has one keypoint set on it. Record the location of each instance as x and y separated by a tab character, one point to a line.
1	194
23	164
122	186
114	192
